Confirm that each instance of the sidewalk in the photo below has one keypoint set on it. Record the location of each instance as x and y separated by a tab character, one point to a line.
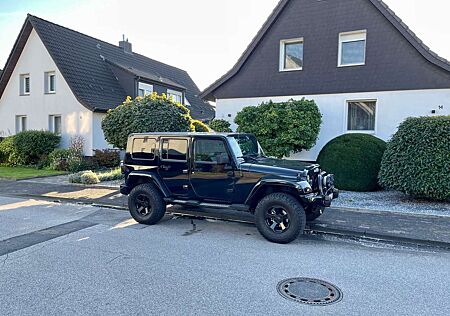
427	230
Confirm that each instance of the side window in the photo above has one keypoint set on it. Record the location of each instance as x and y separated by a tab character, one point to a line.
210	151
144	148
174	149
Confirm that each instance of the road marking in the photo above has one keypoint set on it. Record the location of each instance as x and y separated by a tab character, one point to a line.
27	240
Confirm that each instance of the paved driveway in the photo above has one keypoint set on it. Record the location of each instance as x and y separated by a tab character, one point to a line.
106	264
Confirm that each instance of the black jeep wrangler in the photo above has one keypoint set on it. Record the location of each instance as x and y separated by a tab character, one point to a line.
223	171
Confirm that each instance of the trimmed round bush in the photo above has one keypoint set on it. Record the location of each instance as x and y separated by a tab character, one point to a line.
355	160
84	177
220	126
417	159
31	146
152	113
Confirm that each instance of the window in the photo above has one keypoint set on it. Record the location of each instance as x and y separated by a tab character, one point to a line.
177	96
361	115
21	123
25	84
291	54
174	149
54	124
352	48
50	82
210	151
144	148
144	89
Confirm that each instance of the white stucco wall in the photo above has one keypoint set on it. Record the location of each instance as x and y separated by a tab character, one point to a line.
76	119
98	139
392	108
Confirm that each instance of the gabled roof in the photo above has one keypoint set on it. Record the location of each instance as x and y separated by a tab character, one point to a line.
424	50
83	61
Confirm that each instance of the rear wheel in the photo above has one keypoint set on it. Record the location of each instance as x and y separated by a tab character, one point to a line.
280	218
313	212
146	204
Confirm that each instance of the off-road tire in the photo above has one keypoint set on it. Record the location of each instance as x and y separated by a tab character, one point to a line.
312	213
294	211
152	197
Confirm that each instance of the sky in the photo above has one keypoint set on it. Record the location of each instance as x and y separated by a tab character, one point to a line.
203	37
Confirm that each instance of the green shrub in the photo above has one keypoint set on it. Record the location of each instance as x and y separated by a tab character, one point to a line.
151	113
220	126
60	159
82	164
106	158
31	145
354	159
417	158
8	154
84	177
199	126
282	128
114	174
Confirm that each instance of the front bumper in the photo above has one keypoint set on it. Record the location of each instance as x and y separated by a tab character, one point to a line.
321	200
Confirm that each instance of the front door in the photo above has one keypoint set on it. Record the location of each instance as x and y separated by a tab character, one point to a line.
173	166
212	174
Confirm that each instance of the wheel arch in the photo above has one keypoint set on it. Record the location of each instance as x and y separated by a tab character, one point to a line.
136	178
264	188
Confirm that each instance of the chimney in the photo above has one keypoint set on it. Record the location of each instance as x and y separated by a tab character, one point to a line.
125	45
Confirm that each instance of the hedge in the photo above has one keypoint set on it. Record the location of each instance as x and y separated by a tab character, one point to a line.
282	128
417	158
33	146
220	126
355	160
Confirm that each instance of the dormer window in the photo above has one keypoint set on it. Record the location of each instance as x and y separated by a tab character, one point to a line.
25	84
352	48
50	82
177	96
144	89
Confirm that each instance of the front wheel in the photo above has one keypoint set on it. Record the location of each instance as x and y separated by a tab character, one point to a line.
146	204
280	218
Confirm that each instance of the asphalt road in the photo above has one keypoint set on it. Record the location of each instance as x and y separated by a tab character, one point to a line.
62	259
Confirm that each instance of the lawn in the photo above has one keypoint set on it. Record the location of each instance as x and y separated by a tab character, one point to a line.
18	173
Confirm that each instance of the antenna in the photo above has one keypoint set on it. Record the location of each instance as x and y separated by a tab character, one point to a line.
123	37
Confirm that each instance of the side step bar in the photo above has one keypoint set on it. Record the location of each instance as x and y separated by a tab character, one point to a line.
193	203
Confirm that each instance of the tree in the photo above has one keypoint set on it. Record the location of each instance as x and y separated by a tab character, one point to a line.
152	113
282	128
221	126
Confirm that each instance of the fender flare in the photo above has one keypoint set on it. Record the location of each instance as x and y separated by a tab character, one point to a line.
269	182
153	179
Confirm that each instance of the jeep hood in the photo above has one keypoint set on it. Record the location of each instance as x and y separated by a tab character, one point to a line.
281	167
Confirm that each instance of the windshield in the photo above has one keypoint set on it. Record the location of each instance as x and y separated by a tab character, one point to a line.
245	145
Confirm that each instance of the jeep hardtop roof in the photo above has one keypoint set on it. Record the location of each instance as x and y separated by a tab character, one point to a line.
181	134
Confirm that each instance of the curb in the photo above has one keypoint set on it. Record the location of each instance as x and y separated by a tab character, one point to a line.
380	212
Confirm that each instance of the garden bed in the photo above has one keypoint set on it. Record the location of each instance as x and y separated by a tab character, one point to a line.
390	201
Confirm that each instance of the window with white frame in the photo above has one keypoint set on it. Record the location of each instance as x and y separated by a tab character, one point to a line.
177	96
25	87
21	123
291	54
361	116
50	82
144	89
352	48
55	124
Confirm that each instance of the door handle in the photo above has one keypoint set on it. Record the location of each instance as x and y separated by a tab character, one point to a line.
165	167
185	171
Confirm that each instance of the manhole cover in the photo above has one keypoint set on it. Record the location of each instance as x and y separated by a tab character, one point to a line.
309	291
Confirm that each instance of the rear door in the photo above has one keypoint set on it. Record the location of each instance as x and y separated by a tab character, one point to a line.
173	166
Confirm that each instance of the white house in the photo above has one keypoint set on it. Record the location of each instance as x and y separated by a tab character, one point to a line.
362	65
60	80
